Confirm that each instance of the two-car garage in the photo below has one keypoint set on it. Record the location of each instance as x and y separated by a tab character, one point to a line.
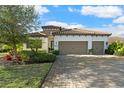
80	41
80	47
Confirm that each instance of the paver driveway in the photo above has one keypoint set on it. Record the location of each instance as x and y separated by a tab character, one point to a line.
77	71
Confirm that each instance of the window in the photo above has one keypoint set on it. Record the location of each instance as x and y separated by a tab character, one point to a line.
107	43
52	44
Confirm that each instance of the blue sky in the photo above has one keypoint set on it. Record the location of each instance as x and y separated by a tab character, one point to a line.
104	18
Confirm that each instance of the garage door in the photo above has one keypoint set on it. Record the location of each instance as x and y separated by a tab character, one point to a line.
98	47
73	47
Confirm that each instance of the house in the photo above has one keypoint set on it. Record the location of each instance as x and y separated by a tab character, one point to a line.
38	35
72	41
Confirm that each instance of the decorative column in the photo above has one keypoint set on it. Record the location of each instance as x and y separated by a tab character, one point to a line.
90	45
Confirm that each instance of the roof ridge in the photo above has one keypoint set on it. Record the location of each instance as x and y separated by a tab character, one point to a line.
93	31
42	33
78	31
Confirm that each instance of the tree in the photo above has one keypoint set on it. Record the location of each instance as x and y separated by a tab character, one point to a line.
35	44
15	23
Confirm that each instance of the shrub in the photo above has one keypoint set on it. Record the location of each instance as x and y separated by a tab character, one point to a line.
42	57
113	47
37	57
50	58
120	52
7	48
56	52
106	51
25	55
19	47
4	50
10	57
19	58
90	51
42	51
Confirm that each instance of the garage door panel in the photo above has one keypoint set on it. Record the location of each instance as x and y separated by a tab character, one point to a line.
98	47
73	47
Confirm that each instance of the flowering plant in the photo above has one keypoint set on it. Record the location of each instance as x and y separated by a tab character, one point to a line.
8	57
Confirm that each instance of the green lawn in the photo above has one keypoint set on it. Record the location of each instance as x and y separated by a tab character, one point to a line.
23	76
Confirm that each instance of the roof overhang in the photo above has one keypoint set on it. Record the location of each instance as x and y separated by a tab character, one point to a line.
81	32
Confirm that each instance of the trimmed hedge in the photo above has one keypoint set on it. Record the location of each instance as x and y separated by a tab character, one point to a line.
41	57
37	57
56	52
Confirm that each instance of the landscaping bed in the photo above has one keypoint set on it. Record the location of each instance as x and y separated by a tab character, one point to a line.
30	57
30	73
23	76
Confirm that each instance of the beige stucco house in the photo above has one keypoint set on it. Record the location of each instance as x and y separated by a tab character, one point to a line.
72	41
38	35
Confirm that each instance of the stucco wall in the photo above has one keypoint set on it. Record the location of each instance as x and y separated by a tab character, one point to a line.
44	44
88	38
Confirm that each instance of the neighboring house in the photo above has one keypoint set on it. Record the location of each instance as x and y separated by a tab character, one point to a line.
73	41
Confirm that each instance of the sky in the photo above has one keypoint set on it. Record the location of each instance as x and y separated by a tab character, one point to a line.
102	18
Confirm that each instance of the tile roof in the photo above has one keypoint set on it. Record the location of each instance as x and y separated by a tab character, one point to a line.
77	31
51	26
37	34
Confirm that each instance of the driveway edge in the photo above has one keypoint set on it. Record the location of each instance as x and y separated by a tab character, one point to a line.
46	76
42	83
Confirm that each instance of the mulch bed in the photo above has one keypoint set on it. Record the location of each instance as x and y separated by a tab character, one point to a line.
6	62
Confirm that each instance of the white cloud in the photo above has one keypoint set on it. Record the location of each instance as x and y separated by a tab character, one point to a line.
56	6
70	9
102	11
121	35
41	9
117	30
107	25
73	9
119	20
76	26
63	24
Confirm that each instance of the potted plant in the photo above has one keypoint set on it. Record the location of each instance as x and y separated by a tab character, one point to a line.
90	51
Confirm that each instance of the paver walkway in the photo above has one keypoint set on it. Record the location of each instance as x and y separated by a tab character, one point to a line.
80	71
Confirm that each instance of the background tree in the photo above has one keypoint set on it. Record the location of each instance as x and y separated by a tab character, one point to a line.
15	23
